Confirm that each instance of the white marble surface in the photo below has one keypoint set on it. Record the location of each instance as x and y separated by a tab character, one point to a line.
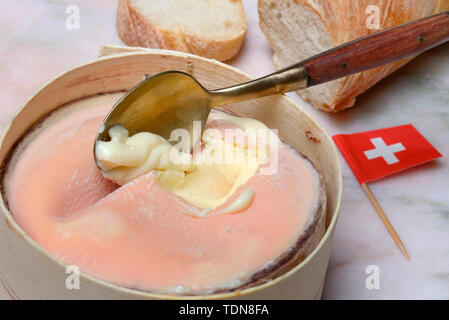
35	45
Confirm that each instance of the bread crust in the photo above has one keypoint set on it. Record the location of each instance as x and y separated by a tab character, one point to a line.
345	21
135	30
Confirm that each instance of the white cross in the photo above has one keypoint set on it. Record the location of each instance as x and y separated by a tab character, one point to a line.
384	151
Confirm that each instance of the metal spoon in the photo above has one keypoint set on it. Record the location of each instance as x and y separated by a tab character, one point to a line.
172	100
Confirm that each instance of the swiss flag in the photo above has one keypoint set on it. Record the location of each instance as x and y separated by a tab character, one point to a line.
378	153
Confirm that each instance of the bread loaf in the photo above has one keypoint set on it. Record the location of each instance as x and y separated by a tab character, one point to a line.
299	29
214	29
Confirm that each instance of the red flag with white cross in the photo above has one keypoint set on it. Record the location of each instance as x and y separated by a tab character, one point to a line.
378	153
375	154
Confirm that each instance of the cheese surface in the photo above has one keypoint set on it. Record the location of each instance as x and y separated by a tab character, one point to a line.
142	234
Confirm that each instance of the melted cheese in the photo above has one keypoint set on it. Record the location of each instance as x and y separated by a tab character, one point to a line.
206	179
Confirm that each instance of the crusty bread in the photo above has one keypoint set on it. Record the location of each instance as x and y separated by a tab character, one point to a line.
210	28
298	29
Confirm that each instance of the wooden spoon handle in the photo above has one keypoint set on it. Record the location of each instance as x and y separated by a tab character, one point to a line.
378	49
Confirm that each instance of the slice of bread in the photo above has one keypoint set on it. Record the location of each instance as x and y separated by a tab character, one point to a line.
299	29
210	28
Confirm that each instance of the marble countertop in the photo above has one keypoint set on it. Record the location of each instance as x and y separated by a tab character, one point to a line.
35	45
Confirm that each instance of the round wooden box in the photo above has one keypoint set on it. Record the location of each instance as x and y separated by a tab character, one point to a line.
29	272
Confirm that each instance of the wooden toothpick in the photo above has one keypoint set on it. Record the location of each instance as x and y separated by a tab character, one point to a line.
385	220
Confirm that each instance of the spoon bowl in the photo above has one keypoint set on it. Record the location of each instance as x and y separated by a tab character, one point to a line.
160	104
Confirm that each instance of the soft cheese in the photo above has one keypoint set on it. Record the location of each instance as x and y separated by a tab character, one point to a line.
138	235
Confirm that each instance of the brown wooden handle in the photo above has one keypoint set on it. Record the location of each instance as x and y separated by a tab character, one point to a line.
378	49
